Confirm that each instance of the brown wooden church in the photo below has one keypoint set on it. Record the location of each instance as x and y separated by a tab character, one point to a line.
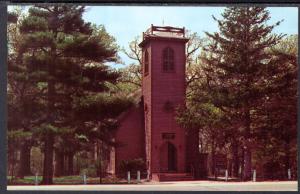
149	130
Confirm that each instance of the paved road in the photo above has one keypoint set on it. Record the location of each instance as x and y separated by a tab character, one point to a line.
173	186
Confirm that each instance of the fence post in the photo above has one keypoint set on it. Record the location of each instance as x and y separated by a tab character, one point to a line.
36	179
254	175
84	179
226	175
289	174
148	175
128	176
138	176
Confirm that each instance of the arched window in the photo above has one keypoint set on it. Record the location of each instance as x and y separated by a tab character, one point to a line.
146	62
168	59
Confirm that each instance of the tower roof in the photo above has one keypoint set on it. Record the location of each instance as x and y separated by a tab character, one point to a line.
163	32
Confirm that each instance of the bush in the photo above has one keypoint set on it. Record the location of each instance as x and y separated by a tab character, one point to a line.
132	165
273	170
91	171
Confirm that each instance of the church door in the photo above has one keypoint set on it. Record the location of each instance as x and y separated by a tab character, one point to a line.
172	158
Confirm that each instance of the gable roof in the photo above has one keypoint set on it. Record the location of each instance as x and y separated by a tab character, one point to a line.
137	99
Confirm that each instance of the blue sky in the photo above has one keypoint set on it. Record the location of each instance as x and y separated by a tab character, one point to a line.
127	22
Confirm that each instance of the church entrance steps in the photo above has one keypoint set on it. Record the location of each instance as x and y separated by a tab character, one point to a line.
174	177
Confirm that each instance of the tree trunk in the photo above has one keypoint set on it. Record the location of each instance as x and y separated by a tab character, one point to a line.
77	165
247	153
70	163
48	159
229	167
247	168
100	160
193	154
213	157
24	169
13	165
51	114
96	154
242	162
59	169
235	162
287	157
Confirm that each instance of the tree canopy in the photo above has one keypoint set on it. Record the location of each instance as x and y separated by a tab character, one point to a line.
61	60
242	69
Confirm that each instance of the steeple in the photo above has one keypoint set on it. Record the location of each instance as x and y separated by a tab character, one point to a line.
163	89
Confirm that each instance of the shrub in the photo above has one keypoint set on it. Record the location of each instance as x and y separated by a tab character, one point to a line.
272	170
132	165
91	171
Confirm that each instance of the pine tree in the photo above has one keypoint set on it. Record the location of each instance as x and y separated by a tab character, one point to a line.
63	57
22	106
276	117
237	62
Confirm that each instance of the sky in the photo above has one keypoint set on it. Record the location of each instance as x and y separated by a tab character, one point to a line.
127	22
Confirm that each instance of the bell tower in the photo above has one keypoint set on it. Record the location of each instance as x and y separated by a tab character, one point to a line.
163	89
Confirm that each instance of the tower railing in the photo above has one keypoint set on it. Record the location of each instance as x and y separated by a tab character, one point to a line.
179	32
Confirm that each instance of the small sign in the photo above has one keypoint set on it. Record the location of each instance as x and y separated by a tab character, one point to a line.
168	135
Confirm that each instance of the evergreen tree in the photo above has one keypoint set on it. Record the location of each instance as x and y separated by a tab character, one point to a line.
63	57
276	117
238	60
22	106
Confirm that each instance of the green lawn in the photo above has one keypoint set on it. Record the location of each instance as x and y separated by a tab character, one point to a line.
65	180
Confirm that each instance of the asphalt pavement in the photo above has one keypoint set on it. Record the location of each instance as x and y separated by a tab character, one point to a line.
171	186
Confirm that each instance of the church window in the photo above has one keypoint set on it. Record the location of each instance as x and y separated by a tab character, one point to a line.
146	61
168	59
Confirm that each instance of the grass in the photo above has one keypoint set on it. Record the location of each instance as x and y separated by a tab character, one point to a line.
68	180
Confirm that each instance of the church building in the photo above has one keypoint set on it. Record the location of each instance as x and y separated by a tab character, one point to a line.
149	130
